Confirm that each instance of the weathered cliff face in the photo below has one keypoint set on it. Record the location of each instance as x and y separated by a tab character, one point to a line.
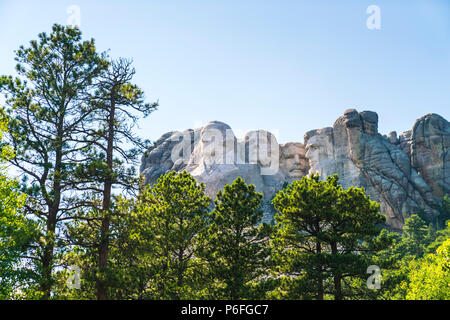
404	174
428	149
355	150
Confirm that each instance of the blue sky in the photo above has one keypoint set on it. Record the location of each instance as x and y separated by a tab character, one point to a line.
285	66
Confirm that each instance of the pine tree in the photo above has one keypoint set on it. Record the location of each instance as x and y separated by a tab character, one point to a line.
439	238
167	220
397	259
107	165
444	212
46	105
235	246
416	236
320	233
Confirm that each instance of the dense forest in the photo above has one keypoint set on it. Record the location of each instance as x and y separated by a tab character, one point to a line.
77	221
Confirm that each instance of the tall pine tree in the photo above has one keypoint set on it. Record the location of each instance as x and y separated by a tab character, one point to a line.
235	245
110	159
319	239
46	106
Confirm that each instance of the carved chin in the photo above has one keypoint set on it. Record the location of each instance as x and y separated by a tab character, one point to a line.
295	173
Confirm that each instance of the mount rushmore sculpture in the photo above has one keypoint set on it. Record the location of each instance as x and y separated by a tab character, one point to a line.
405	174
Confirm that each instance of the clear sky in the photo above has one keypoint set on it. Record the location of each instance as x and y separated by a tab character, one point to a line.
284	66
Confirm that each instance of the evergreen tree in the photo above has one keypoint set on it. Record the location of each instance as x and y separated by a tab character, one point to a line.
107	165
319	239
151	244
405	250
46	105
416	236
168	218
439	238
235	246
444	212
126	270
385	253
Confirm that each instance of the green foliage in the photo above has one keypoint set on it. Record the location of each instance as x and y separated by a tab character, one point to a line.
16	230
168	218
107	165
47	107
386	255
444	212
416	236
319	239
429	278
406	252
117	106
151	242
172	212
235	245
439	237
66	120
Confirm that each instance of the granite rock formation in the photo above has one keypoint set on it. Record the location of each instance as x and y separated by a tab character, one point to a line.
405	174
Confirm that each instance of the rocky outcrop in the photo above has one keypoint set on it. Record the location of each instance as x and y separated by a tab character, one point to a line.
429	143
405	174
355	150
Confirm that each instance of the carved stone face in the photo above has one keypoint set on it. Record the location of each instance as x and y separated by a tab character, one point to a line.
217	143
294	164
319	151
261	147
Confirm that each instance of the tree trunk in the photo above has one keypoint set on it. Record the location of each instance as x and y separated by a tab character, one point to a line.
103	249
47	258
180	274
103	259
319	280
318	252
337	276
